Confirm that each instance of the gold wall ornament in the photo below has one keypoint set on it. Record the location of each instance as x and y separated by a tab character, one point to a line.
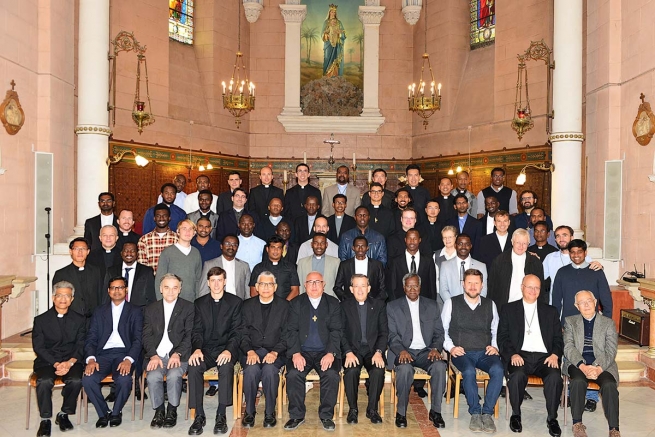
11	112
643	128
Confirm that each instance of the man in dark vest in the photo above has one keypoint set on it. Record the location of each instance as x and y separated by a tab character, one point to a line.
506	196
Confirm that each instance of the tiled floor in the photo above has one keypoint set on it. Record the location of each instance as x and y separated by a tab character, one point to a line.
637	419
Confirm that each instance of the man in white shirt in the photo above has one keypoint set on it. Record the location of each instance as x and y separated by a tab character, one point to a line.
495	243
191	201
250	248
180	182
451	276
237	271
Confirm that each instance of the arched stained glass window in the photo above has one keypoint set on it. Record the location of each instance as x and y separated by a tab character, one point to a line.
483	22
180	20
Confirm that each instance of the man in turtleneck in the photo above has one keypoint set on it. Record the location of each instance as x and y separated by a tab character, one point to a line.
261	195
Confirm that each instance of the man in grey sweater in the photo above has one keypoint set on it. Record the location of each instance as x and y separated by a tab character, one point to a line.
183	260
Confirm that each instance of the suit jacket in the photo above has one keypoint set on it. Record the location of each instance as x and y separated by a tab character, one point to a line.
347	224
376	279
431	235
265	229
295	197
388	198
605	341
396	243
143	286
227	324
52	344
490	248
213	218
449	278
227	223
483	223
397	268
382	220
88	295
377	328
329	274
472	228
131	237
352	193
301	231
97	258
500	277
329	330
511	330
130	329
92	230
224	202
255	335
179	329
259	198
241	272
401	332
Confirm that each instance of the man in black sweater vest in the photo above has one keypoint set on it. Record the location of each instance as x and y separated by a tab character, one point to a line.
506	196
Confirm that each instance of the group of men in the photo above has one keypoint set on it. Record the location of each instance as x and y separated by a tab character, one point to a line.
390	280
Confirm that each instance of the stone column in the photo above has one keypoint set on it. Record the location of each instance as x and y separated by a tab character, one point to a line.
370	16
567	136
293	15
92	121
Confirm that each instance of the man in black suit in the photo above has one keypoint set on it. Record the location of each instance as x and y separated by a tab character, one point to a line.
412	261
339	222
420	194
112	346
86	279
381	213
431	228
261	195
267	225
497	242
491	207
108	254
396	242
362	264
303	224
215	342
295	197
263	347
140	279
466	223
313	342
531	343
92	226
126	229
364	343
58	342
446	200
387	197
224	201
228	220
167	327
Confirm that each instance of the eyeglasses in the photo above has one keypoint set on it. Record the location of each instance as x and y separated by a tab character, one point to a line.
376	191
527	198
266	284
589	302
117	287
63	296
231	244
413	287
312	283
532	287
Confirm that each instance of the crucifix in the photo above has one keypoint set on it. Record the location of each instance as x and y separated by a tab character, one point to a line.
314	318
331	141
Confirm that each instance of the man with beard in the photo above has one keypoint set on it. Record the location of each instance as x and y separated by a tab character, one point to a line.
403	201
465	223
125	229
153	243
344	187
208	247
528	200
180	183
461	187
177	214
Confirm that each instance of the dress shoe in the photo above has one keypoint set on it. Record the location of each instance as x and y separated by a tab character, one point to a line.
590	406
374	416
115	421
248	420
293	424
437	420
328	424
198	423
488	424
45	428
171	418
515	423
503	392
220	425
352	416
103	421
579	430
615	433
553	428
111	397
401	421
526	396
212	390
270	421
420	391
158	420
64	422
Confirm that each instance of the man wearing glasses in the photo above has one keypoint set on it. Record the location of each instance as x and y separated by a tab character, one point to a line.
528	199
379	176
505	195
382	217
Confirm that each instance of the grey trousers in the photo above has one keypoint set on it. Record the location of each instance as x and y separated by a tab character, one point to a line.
405	376
173	383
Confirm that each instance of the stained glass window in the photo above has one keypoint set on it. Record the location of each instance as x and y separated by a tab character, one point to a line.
180	20
483	22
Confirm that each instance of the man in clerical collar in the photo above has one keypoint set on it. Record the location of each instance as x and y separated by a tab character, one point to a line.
225	199
228	222
288	284
463	180
382	216
387	197
420	194
320	262
304	223
344	188
266	227
261	195
340	222
106	203
446	200
541	247
125	229
295	197
108	254
539	215
180	183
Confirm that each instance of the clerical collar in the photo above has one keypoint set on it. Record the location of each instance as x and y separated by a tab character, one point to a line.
265	303
361	303
80	268
59	315
275	262
125	234
317	257
238	210
109	250
266	186
584	265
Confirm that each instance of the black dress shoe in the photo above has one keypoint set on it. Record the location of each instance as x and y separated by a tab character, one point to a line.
502	392
196	426
515	423
420	391
137	393
103	421
45	428
212	390
111	397
352	416
526	396
553	428
248	420
220	426
374	416
590	406
115	421
401	421
270	421
158	420
171	419
293	424
64	422
328	424
437	420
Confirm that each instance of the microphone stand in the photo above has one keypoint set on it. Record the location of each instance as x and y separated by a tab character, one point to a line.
47	254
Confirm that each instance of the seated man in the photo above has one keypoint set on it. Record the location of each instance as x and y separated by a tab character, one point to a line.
590	345
215	342
313	343
470	323
111	348
530	339
167	326
415	340
263	347
364	344
58	342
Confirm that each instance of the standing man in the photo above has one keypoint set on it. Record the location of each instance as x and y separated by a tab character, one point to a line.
342	187
363	265
208	246
403	201
431	228
261	195
140	278
364	344
250	247
339	222
446	200
225	198
396	242
499	241
286	278
205	199
228	222
191	201
58	342
538	215
125	229
416	338
167	327
530	339
387	197
290	249
377	247
108	254
506	196
382	217
106	217
420	195
180	183
465	223
528	199
177	214
294	199
268	223
314	330
541	248
320	227
153	243
304	223
415	262
491	206
453	272
463	180
319	262
237	272
215	342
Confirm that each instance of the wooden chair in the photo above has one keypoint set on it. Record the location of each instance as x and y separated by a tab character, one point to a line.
212	375
109	380
312	376
342	392
280	394
418	374
565	398
59	383
454	375
143	398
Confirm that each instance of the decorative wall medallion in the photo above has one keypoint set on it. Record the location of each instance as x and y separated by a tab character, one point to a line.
643	127
11	112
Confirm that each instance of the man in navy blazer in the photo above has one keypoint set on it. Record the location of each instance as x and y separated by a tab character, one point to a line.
466	223
112	346
228	221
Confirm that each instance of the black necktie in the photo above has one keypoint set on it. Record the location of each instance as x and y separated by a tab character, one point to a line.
461	273
412	268
127	282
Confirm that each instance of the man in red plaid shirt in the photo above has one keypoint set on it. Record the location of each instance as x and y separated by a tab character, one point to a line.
153	243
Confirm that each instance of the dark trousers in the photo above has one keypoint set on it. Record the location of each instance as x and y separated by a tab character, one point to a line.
534	365
329	386
197	382
405	375
268	374
108	363
45	381
609	394
375	381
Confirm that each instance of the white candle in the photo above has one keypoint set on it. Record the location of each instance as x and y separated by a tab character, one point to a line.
285	176
223	83
439	88
304	157
354	160
409	91
252	90
370	176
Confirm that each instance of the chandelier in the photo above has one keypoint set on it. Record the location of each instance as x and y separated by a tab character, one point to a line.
239	94
420	102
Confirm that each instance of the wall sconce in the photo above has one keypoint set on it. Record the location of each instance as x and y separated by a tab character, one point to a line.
138	159
452	172
520	180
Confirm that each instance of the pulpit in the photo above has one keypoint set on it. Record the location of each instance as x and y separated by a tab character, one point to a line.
647	289
6	287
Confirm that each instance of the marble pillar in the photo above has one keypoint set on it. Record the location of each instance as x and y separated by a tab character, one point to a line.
293	15
370	16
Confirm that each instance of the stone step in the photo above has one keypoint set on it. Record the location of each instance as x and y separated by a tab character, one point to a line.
629	352
22	354
19	370
631	371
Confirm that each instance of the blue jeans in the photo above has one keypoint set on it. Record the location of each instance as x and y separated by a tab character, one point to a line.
487	363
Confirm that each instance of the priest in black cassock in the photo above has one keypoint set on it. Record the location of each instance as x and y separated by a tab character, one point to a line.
261	195
296	195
